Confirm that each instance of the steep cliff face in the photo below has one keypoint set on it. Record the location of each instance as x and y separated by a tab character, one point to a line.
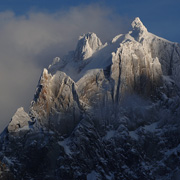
87	45
20	120
138	62
102	112
56	104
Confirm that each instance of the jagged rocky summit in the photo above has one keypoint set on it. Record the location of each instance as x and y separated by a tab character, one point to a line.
104	111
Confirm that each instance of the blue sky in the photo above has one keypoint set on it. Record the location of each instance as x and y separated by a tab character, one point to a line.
160	16
33	32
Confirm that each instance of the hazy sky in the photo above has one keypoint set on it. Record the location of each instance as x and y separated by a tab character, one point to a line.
33	32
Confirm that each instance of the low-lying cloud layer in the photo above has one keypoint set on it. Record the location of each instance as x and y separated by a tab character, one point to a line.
29	42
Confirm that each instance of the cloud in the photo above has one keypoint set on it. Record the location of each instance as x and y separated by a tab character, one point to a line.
29	42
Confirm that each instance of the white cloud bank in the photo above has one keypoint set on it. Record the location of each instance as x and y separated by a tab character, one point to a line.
29	42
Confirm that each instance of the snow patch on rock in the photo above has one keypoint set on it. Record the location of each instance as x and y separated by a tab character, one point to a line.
87	45
20	121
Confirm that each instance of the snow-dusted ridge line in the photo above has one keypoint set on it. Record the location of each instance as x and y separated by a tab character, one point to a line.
103	111
95	57
84	76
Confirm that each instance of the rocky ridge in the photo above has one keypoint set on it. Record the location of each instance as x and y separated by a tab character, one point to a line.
102	112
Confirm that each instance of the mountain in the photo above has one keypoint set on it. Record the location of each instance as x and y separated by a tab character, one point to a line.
103	111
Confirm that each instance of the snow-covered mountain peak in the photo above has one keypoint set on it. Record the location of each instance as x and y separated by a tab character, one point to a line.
137	25
45	76
139	31
45	72
86	46
101	112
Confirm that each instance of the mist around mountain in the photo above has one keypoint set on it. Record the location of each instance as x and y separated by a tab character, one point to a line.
104	111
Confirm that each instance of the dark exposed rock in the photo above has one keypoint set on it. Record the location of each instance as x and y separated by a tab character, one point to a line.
102	112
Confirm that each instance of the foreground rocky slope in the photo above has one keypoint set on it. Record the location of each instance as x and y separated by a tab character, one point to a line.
102	112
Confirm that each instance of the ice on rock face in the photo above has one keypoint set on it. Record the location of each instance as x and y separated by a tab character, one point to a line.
87	45
19	120
138	25
114	107
138	29
56	102
134	63
131	63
